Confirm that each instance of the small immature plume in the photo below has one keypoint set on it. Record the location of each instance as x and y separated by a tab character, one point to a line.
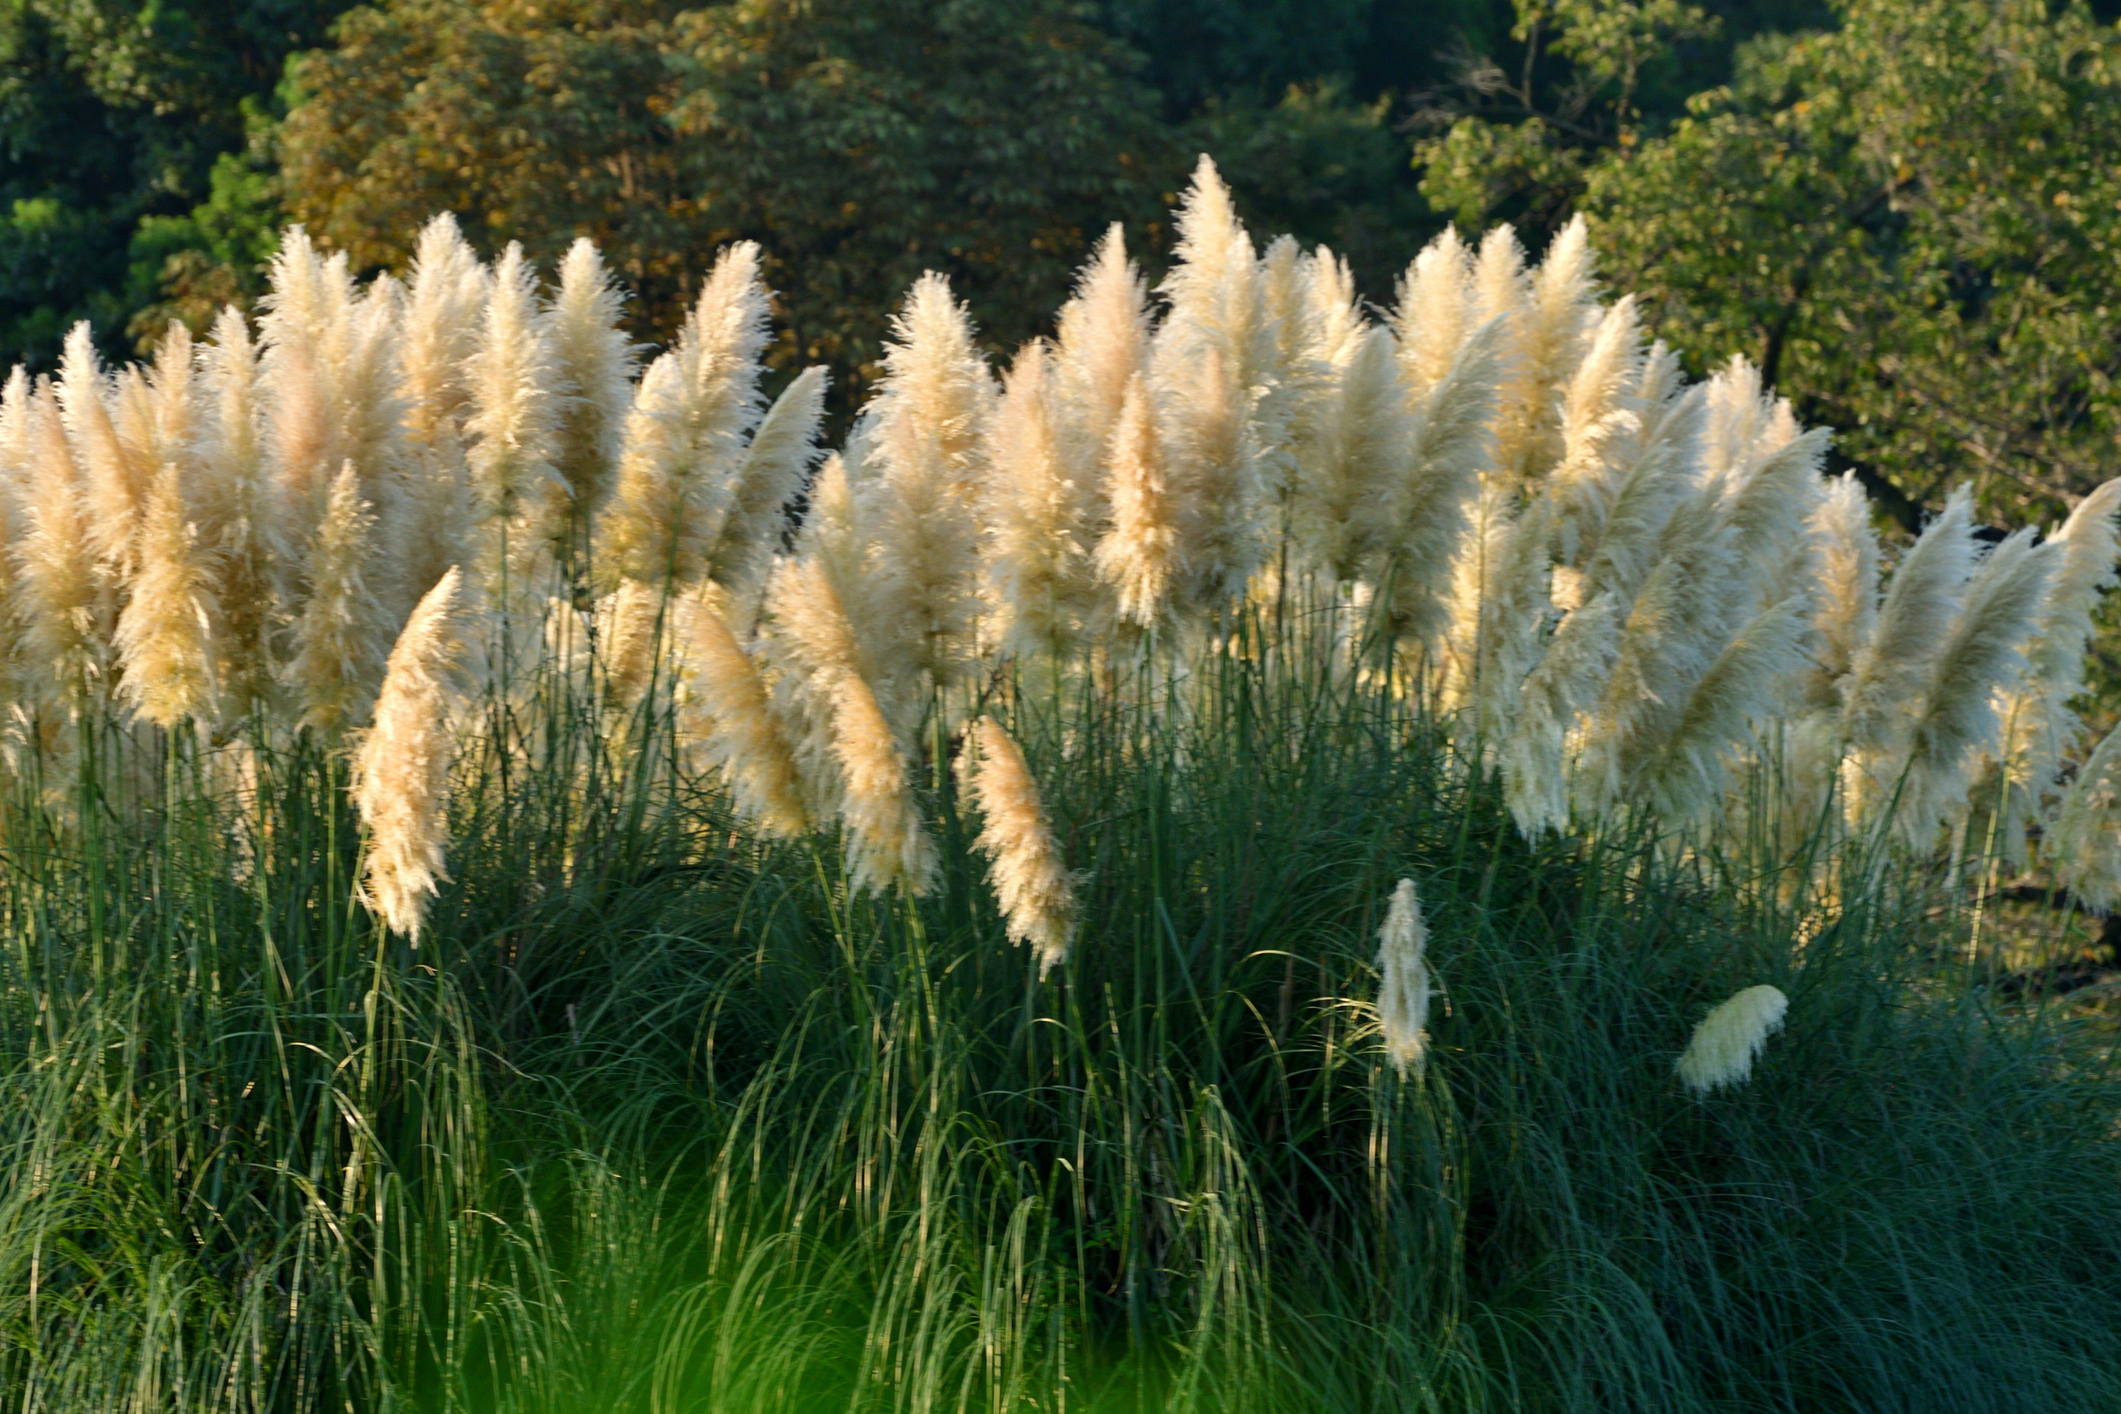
1029	877
1730	1038
165	636
742	738
401	769
1403	990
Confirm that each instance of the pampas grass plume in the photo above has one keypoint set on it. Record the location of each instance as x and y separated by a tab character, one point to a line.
1139	557
1730	1038
400	781
338	637
1405	985
1029	877
886	842
742	738
165	635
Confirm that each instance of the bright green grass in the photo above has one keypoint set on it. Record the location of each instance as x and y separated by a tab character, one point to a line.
660	1119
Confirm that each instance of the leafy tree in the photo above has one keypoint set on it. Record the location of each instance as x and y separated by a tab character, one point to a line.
1913	224
858	141
1527	114
115	115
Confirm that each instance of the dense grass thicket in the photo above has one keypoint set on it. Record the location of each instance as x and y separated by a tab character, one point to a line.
922	954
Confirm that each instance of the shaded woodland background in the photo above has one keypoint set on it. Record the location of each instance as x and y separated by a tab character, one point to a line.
1908	212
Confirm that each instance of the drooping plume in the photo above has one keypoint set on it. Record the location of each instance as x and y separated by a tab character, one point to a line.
742	739
400	781
1028	874
1730	1038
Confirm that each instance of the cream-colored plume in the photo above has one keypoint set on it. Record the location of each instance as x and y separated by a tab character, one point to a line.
1553	323
339	636
685	435
592	378
1436	312
441	325
400	781
514	401
1730	1038
740	735
239	520
64	638
1139	557
165	636
1028	874
927	456
1958	725
886	842
1103	342
113	485
776	463
1404	982
1037	552
1357	464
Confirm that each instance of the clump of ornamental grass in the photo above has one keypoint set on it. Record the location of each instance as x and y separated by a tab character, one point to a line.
710	1080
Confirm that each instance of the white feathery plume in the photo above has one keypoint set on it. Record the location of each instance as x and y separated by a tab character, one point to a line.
1730	1038
1423	519
927	455
1958	724
239	518
776	463
1103	341
400	781
1500	289
1027	872
441	325
685	435
338	652
1570	676
592	365
2085	839
809	645
1404	982
2035	710
1595	416
1891	673
886	842
1846	611
1688	770
1436	312
1658	480
1553	323
1221	417
1139	557
1359	465
1499	605
514	403
741	736
1038	552
14	431
165	636
832	532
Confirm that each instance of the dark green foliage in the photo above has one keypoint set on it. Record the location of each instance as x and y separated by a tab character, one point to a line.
115	116
657	1113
